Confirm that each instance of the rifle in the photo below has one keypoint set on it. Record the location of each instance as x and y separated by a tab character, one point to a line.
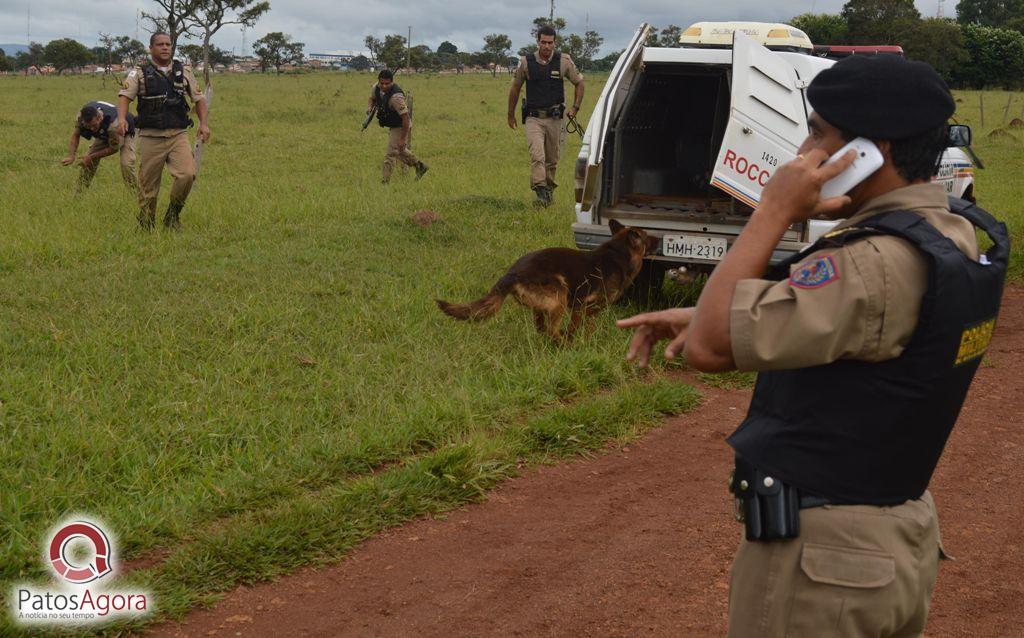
369	117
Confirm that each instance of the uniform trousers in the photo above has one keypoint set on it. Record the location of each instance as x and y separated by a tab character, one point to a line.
126	153
854	571
174	151
545	137
393	155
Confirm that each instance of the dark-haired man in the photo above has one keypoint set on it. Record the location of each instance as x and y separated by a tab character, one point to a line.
544	73
865	344
162	86
93	123
394	114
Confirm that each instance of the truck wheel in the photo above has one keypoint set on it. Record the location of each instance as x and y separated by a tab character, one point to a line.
646	290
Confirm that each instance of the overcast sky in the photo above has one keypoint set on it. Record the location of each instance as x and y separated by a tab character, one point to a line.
330	25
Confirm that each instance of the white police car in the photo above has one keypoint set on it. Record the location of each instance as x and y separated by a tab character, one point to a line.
682	140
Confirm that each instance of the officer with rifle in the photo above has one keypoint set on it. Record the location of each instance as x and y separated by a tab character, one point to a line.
162	86
389	103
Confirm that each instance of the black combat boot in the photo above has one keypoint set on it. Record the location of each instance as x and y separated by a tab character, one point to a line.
172	219
147	219
543	196
421	169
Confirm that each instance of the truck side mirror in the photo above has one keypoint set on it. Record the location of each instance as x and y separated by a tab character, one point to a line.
959	135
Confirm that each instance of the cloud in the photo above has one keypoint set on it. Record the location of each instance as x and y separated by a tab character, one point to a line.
325	25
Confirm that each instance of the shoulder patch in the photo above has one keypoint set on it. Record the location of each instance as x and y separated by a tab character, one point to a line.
133	73
815	274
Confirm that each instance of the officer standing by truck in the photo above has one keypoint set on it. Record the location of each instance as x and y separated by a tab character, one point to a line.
93	123
394	114
162	86
544	73
865	344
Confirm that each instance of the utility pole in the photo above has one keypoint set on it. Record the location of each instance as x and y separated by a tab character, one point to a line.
408	51
551	16
28	26
941	13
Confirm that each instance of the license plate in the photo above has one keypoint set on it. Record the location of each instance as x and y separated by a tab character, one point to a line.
710	248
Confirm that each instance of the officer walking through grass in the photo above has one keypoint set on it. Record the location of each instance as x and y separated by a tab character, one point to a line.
544	73
394	114
162	86
865	344
94	123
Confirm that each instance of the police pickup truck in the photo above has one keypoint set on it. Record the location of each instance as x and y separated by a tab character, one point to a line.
682	140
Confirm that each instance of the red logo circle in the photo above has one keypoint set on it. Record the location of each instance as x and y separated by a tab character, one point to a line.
69	571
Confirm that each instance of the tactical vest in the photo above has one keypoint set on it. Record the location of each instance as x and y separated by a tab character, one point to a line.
109	112
387	116
544	86
162	102
871	433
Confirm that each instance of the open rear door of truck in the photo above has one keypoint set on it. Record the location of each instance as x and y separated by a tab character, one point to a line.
608	106
767	120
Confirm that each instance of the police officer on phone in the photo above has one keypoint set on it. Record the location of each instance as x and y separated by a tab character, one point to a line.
544	73
865	345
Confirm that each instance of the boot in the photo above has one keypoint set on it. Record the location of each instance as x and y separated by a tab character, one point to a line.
172	219
543	196
421	169
147	219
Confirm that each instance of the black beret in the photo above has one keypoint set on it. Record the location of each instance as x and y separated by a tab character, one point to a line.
882	97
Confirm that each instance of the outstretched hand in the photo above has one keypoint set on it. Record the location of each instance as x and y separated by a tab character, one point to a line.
652	327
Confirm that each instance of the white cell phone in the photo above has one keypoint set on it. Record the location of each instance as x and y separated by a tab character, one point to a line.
869	159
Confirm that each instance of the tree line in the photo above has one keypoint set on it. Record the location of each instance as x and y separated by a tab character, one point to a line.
982	47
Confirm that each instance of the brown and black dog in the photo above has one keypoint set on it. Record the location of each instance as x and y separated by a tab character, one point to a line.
554	281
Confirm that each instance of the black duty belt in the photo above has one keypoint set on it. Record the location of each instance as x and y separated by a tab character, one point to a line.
768	508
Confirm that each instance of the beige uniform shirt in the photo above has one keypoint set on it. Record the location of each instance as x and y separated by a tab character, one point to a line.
858	301
130	90
396	102
568	70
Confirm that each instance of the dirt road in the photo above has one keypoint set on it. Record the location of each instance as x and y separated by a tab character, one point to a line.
638	541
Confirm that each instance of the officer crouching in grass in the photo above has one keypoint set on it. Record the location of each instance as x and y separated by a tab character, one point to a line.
393	114
93	123
544	73
866	344
162	85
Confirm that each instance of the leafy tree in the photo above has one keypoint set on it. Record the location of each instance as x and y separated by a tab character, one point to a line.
6	63
584	48
821	28
193	53
35	56
66	53
447	47
392	51
129	50
940	43
277	49
669	37
360	63
652	37
879	21
528	49
991	13
996	57
496	46
557	23
373	45
210	16
607	62
421	57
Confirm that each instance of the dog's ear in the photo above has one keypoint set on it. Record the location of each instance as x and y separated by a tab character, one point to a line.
615	226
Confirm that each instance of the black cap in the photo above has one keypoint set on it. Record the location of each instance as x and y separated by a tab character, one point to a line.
881	97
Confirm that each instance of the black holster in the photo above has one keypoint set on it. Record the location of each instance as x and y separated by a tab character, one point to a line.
768	508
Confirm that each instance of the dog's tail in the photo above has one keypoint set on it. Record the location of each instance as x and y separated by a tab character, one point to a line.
483	308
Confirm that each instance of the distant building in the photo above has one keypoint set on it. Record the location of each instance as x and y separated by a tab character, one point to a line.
337	59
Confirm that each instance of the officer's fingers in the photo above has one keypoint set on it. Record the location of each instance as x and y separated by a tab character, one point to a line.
675	346
830	170
636	320
814	157
639	344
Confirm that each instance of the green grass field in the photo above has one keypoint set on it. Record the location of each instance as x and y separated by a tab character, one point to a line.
275	384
